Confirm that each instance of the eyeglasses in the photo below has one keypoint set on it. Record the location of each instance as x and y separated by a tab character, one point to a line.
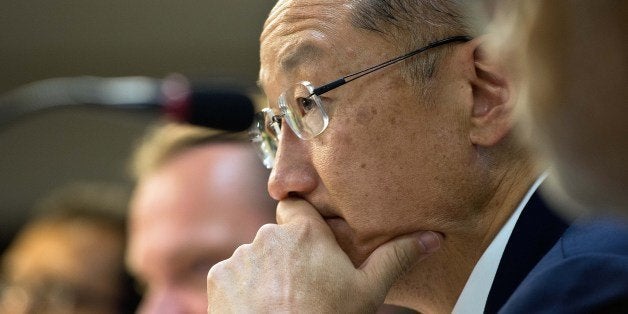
302	107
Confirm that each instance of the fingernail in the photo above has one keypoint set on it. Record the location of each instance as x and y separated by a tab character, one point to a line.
430	241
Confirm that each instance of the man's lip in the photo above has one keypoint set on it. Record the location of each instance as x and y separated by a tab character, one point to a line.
335	223
328	218
326	213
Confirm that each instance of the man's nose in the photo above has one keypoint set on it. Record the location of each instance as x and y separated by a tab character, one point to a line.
293	173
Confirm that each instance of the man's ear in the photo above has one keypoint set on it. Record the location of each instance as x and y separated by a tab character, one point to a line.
491	114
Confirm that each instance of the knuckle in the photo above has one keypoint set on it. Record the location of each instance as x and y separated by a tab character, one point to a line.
240	253
216	272
265	232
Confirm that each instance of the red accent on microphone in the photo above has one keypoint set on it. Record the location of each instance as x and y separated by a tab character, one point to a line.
176	92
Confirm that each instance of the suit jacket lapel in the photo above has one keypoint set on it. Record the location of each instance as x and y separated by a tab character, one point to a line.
536	231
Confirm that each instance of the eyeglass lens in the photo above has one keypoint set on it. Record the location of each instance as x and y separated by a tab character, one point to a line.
265	134
303	110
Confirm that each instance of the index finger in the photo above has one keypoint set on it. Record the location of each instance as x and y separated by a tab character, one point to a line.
293	210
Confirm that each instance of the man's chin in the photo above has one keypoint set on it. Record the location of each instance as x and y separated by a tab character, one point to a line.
346	238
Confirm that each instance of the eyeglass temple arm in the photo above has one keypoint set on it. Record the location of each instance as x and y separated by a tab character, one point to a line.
329	86
339	82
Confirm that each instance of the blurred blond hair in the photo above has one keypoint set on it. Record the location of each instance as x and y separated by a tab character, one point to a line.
168	139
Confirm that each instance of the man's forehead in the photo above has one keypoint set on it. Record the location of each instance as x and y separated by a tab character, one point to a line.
299	10
289	54
292	26
303	52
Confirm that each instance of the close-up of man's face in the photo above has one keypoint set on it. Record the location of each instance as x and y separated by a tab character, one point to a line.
190	214
390	160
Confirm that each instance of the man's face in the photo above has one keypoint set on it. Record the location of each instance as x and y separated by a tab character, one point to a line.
390	162
190	214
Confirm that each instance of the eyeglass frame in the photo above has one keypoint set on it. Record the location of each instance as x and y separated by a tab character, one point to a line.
275	120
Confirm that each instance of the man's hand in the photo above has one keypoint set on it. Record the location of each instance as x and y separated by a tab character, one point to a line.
297	266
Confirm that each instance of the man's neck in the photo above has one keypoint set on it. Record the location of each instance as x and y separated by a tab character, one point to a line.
434	285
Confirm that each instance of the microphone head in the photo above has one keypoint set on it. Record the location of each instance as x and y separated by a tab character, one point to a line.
228	109
221	109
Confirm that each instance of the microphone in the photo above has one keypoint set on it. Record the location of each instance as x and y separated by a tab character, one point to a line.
218	107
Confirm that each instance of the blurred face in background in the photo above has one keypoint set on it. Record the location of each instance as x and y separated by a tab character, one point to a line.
63	267
189	214
572	58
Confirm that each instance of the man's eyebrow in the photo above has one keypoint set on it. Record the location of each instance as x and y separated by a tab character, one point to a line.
303	53
291	60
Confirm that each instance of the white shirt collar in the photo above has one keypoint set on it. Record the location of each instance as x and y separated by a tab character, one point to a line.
475	293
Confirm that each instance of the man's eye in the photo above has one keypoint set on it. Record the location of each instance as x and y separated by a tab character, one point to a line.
306	104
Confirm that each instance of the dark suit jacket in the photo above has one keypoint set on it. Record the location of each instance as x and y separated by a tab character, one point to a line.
550	267
585	272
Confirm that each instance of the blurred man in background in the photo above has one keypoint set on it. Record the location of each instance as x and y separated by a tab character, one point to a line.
199	195
69	258
571	61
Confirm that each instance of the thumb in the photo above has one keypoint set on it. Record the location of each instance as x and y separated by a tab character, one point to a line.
392	259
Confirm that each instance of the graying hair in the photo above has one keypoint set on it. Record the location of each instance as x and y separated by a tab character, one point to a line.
412	24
